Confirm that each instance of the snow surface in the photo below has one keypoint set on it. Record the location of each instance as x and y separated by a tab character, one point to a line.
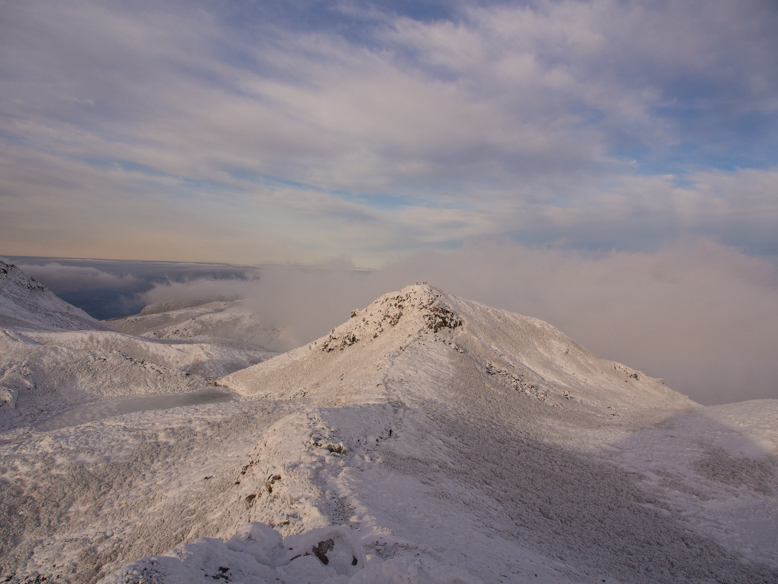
54	357
224	322
28	304
427	439
45	373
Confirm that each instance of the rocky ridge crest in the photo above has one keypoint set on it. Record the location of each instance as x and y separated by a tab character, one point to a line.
10	274
419	305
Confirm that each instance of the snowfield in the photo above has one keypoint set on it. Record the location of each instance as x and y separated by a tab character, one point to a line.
428	439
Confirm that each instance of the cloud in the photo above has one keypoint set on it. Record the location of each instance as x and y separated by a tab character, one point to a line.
701	315
139	130
200	289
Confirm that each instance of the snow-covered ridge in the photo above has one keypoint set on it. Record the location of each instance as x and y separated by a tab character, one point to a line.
458	443
460	339
224	322
427	439
258	554
27	304
54	357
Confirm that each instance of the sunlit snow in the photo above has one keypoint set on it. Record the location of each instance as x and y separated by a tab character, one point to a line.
426	439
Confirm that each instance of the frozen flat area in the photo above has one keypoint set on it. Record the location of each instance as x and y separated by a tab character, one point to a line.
112	408
427	439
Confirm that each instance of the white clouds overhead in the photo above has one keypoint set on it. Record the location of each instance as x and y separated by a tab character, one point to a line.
570	113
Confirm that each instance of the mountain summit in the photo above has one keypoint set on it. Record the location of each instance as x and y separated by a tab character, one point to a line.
421	341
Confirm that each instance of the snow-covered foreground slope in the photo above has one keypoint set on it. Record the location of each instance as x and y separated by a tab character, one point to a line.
427	439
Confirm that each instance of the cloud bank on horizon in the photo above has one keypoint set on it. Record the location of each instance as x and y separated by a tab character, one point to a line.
274	131
700	315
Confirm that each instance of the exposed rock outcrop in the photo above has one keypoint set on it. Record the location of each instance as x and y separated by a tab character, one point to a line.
421	305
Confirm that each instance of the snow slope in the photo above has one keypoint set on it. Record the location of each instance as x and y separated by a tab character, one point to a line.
54	357
228	322
45	373
427	439
27	304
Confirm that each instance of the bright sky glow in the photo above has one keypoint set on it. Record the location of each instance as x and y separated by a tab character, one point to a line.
281	131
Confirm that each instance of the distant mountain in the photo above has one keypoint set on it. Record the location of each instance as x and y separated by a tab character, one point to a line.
224	322
54	356
27	304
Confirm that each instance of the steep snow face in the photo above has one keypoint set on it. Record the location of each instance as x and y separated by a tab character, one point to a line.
221	322
26	304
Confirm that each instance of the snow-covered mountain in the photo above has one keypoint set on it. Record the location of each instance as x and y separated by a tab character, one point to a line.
436	344
53	356
427	439
228	322
27	304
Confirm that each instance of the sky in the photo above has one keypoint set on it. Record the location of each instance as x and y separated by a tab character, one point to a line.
610	166
290	131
